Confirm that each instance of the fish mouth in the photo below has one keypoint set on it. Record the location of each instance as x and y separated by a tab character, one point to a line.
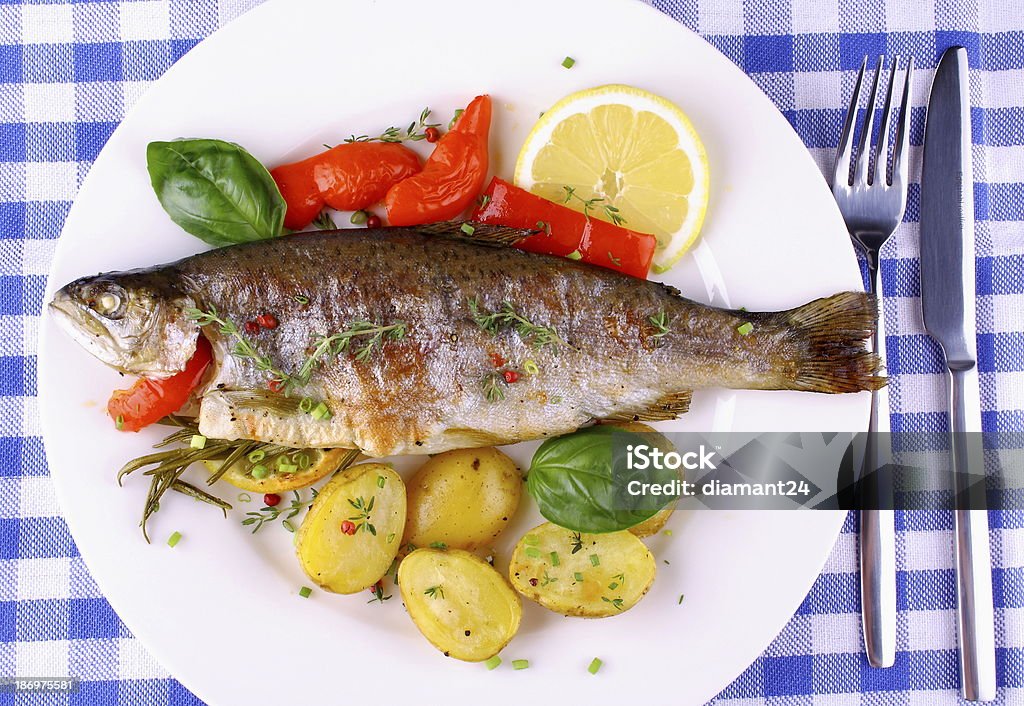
81	325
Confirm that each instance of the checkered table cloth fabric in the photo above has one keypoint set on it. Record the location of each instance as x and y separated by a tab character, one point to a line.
68	73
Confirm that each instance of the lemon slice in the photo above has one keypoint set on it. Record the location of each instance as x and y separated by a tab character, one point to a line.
635	151
310	465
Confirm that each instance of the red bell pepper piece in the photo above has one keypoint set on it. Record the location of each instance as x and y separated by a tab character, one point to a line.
149	401
349	177
562	231
452	176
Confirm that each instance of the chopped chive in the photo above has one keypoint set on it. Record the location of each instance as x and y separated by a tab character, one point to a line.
256	456
743	308
451	124
578	576
198	441
306	405
667	562
321	412
555	561
532	552
568	62
612	586
438	545
595	560
244	498
287	468
305	591
595	666
530	368
575	255
380	481
531	539
358	218
174	539
668	533
467	229
492	663
680	599
259	472
119	422
745	329
391	537
288	525
520	664
301	299
302	461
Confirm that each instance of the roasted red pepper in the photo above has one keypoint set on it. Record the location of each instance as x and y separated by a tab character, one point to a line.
452	176
149	401
349	177
562	231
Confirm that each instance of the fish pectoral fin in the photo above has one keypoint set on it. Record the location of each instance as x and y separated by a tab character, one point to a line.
484	234
668	407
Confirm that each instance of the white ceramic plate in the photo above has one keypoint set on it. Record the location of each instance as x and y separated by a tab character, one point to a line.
221	610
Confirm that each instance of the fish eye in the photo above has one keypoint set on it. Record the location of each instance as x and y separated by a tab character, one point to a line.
108	303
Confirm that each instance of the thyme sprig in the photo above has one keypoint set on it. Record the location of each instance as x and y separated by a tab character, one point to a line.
373	334
610	211
661	324
243	347
494	387
268	514
616	602
323	221
378	593
577	542
434	592
415	132
493	322
363	509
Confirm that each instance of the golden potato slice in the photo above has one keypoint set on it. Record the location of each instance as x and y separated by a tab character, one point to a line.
462	498
318	463
352	533
459	602
651	525
587	575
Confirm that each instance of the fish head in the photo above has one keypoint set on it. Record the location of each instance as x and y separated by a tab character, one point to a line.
135	322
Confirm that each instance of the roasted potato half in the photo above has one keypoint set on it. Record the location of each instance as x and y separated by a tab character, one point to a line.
586	575
653	524
310	466
462	498
352	533
459	602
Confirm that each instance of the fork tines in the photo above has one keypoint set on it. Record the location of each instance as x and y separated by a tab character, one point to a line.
857	173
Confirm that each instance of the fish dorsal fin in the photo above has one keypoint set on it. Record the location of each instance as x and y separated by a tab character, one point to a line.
668	407
482	233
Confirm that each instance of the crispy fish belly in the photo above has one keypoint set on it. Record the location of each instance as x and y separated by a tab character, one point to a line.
453	343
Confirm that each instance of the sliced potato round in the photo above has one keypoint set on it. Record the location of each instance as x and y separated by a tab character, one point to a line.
462	498
459	602
352	533
587	575
319	463
653	524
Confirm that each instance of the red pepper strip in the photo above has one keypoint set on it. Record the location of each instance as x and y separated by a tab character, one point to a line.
452	176
349	177
148	401
563	231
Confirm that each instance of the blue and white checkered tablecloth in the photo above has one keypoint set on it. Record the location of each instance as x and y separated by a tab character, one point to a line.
68	73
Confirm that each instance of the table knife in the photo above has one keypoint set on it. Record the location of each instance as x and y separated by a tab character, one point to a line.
947	298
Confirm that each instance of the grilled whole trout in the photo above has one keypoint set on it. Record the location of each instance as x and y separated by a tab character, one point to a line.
451	342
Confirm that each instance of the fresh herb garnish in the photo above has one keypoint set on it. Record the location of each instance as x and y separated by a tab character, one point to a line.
173	540
568	62
577	542
493	322
595	666
545	227
547	579
323	221
268	514
371	334
615	261
363	509
378	593
243	347
301	299
305	591
494	387
616	602
415	132
612	212
745	329
661	324
434	592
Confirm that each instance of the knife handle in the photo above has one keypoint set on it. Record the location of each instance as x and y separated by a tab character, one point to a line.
973	558
877	526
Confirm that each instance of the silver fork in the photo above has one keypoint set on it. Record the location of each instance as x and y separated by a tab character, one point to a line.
872	203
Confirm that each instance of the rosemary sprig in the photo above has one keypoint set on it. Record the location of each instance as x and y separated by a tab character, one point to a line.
611	212
415	132
434	592
323	221
661	324
269	514
243	347
493	322
337	343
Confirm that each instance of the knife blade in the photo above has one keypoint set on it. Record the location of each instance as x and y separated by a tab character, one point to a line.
947	300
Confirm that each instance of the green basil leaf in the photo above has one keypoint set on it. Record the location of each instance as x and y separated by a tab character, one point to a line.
215	190
580	481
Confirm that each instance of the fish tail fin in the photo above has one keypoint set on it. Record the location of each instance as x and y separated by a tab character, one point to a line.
831	334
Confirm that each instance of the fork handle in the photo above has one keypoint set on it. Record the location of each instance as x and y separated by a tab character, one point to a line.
877	526
973	560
